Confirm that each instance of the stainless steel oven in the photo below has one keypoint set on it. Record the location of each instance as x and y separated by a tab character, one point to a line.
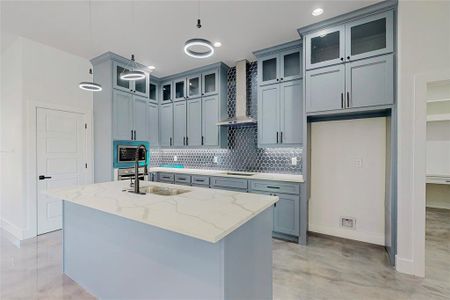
128	174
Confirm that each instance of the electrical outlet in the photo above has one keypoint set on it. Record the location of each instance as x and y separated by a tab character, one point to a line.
215	159
294	161
357	162
175	158
348	222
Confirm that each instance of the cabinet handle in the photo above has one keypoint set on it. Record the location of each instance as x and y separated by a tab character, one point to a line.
342	59
277	137
135	135
131	134
184	141
348	57
202	140
187	141
275	205
273	187
170	141
348	100
281	78
342	100
278	79
281	137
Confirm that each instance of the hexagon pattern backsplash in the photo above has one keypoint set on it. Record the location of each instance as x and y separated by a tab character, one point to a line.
243	153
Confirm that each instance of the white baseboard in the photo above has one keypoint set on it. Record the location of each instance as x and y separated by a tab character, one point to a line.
404	265
367	237
12	229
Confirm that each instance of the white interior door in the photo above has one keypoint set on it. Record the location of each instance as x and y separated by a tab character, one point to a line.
61	158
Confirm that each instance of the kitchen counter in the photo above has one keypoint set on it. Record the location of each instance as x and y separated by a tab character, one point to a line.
223	173
206	214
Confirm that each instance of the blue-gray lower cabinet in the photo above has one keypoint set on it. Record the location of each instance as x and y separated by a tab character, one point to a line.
123	110
227	183
325	89
166	177
194	122
210	117
199	180
166	125
152	124
183	179
370	82
179	124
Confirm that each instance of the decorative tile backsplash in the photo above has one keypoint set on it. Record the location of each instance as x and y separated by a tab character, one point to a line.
243	153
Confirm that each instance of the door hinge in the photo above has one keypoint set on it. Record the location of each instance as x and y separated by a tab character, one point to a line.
85	125
85	165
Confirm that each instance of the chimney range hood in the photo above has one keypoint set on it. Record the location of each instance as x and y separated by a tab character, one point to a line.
241	116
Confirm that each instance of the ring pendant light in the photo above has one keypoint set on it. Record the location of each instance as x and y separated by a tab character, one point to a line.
132	74
192	46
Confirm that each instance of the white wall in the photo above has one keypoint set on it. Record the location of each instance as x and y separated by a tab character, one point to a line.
340	186
36	74
423	47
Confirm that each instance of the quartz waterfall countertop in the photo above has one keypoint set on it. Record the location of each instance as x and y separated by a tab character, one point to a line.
223	173
206	214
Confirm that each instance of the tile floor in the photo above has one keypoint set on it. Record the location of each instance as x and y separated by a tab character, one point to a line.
326	269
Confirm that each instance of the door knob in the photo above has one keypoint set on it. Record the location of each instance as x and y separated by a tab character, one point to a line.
43	177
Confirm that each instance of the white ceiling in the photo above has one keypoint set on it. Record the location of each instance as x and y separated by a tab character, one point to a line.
160	28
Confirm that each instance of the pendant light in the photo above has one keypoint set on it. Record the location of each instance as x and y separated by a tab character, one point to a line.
86	85
206	46
132	73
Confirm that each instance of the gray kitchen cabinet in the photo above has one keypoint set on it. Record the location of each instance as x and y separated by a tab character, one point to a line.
200	180
153	92
228	183
325	47
138	87
291	112
194	86
210	82
153	124
269	69
123	110
179	124
290	64
166	125
283	65
166	92
325	88
194	122
140	118
183	179
286	214
370	82
280	114
210	117
179	87
370	36
268	115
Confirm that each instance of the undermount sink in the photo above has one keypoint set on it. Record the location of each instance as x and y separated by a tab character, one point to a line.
162	191
238	173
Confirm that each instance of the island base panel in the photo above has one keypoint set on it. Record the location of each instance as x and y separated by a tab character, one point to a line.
113	257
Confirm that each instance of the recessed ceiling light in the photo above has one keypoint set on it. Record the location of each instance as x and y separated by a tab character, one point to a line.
151	68
217	44
317	12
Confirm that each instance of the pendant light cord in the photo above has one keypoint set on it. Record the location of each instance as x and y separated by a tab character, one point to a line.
91	42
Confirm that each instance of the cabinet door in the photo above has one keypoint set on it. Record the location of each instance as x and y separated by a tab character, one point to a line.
166	92
118	83
122	115
179	87
291	109
140	87
153	92
268	69
140	118
194	86
325	89
166	125
286	214
268	115
290	65
210	117
210	84
179	124
194	122
325	47
153	124
370	36
370	82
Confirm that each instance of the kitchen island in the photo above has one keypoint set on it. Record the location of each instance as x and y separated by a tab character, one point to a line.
174	242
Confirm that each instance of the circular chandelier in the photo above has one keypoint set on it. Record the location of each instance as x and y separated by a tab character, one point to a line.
196	43
132	74
90	86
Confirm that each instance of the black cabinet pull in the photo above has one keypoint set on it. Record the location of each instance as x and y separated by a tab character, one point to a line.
273	187
275	205
348	99
281	137
184	141
187	141
134	134
278	79
281	78
170	141
342	100
43	177
342	59
131	134
277	137
202	140
348	57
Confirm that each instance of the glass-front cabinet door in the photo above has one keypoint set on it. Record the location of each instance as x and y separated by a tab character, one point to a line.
166	92
194	86
153	92
325	47
290	65
141	87
210	83
180	89
269	69
370	36
118	83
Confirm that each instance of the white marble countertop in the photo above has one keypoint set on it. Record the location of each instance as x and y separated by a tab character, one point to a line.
222	173
203	213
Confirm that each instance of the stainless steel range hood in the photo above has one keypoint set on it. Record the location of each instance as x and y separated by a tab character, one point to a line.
241	116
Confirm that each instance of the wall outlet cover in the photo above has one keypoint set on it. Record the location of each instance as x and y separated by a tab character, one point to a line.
357	162
215	159
294	161
175	158
348	222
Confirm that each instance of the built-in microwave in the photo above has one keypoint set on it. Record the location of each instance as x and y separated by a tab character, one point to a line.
125	151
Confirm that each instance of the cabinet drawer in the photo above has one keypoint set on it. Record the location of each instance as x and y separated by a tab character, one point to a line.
183	179
200	180
275	187
166	177
229	183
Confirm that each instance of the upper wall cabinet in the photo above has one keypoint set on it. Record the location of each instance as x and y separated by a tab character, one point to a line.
280	66
138	87
166	92
179	86
153	92
362	38
194	86
210	83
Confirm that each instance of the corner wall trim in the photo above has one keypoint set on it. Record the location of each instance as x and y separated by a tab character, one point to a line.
404	265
